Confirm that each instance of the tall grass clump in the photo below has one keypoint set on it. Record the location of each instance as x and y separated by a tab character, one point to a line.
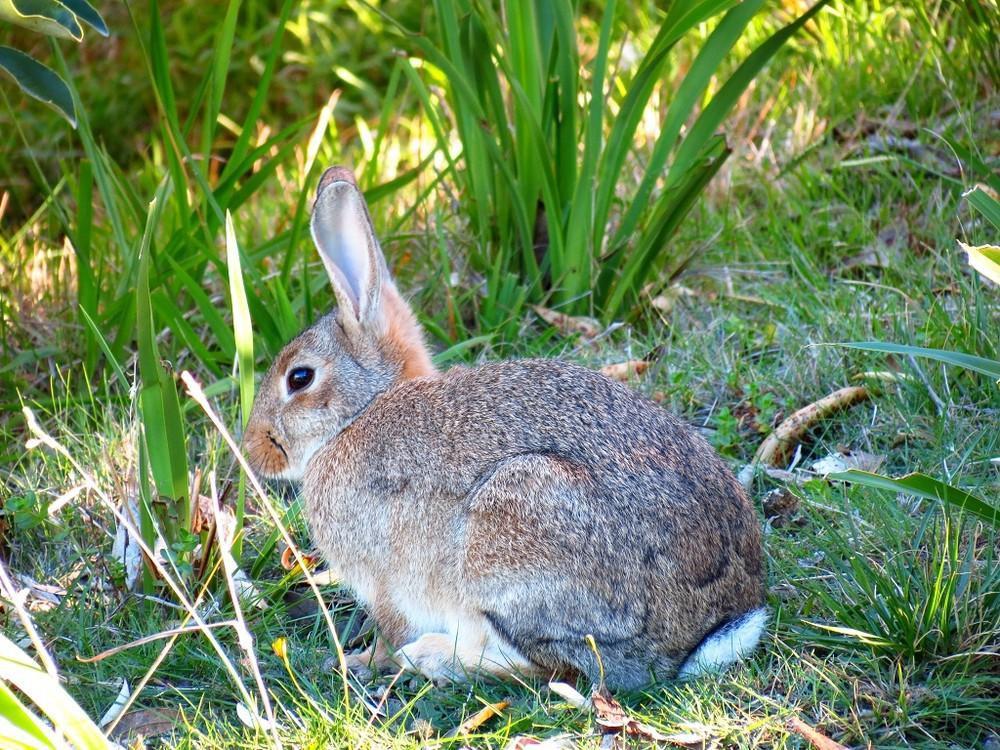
545	135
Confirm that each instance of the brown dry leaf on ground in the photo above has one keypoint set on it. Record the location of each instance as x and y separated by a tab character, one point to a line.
625	371
479	718
569	324
147	722
524	742
613	719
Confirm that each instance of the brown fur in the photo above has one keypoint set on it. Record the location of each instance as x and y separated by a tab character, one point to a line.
514	508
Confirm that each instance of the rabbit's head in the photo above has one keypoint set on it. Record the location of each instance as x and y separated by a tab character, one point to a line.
331	371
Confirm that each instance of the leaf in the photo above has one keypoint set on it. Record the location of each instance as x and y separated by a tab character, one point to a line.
19	725
985	203
569	694
817	740
87	13
989	367
48	17
479	718
613	719
777	446
148	722
159	404
115	709
625	371
38	81
926	487
43	689
569	324
985	259
845	460
242	324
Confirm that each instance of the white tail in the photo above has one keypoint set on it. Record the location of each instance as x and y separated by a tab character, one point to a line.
726	644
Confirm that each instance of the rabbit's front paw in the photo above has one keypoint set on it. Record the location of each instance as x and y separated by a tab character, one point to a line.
433	655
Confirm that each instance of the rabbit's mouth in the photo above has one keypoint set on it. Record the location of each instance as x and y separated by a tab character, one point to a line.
265	452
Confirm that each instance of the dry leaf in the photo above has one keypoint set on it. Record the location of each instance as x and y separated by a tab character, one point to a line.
45	595
569	324
246	590
118	706
479	718
523	742
569	694
149	722
625	371
780	506
844	460
253	720
126	549
692	734
288	561
613	719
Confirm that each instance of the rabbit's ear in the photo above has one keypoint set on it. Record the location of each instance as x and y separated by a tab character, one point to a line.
343	233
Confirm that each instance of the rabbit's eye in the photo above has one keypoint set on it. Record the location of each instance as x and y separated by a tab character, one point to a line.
299	378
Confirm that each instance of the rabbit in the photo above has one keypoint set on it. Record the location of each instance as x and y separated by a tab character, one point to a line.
526	517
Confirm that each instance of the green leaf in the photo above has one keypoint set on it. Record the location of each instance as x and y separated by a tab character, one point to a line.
39	81
926	487
989	367
23	729
48	17
88	14
159	404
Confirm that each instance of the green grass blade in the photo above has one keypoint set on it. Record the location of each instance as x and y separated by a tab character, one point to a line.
989	367
243	334
242	324
691	90
726	98
985	204
95	332
926	487
219	71
19	726
615	288
261	92
572	277
159	404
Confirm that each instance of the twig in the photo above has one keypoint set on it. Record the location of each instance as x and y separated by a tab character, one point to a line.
815	738
776	446
151	639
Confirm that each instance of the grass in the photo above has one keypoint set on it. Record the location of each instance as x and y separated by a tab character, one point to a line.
835	220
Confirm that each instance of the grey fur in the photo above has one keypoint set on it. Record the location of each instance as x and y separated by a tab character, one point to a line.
536	500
